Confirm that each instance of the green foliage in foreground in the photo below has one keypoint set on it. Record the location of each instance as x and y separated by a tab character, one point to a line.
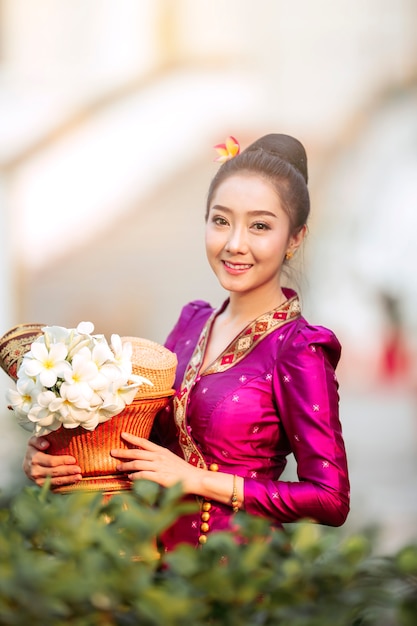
76	560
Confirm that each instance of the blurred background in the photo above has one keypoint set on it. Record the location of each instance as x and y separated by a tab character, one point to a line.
108	113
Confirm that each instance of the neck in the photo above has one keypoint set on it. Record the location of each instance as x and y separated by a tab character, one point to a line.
247	307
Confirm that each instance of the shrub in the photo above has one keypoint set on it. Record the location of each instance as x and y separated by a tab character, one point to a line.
84	561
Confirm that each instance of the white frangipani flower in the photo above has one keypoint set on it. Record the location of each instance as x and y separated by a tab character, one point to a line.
122	353
76	386
40	414
107	370
114	403
122	394
55	334
23	398
25	394
48	364
72	378
69	414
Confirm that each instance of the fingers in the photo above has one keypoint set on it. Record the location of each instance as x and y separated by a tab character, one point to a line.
49	460
127	453
151	461
138	460
58	477
60	474
131	466
135	460
144	449
40	443
39	465
145	444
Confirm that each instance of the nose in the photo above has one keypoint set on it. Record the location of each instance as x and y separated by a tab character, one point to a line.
237	241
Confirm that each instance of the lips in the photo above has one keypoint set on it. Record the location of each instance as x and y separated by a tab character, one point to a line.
236	267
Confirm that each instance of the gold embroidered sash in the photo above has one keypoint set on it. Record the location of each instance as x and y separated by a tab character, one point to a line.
235	352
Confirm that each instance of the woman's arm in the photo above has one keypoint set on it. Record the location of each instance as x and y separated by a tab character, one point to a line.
306	394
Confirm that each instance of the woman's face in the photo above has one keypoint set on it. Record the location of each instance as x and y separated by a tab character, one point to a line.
248	235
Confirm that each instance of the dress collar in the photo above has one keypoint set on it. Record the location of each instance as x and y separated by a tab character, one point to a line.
252	334
247	339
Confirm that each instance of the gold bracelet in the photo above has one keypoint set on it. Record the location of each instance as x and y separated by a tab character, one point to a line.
234	499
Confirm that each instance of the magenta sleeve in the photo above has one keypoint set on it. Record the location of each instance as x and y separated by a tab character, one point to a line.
306	394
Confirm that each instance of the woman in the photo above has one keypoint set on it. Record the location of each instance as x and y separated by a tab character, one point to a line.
255	380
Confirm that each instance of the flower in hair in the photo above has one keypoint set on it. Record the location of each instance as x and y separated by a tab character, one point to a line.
227	150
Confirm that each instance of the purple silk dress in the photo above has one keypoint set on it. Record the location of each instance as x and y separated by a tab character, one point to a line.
271	393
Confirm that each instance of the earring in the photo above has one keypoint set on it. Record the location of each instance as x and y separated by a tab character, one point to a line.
289	255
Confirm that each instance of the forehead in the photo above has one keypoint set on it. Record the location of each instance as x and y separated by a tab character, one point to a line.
246	189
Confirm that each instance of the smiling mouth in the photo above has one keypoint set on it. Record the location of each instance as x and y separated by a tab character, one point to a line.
237	266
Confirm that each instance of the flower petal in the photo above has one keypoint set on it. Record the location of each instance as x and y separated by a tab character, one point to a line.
227	150
85	328
48	378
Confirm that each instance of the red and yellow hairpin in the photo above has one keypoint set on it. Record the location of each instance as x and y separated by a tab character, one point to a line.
227	150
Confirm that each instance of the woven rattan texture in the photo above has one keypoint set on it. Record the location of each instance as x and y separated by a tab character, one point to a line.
91	449
155	362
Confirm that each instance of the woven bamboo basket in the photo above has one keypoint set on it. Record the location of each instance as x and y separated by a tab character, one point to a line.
14	344
91	449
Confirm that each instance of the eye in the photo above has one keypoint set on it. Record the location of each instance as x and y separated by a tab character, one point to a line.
261	226
219	220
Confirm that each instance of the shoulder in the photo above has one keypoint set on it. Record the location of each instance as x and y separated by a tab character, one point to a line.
197	305
304	338
195	309
193	315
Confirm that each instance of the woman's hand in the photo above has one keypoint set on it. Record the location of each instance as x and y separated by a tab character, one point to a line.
37	465
156	463
162	466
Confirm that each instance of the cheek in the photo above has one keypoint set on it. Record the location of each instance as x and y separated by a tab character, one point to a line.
270	250
209	247
207	239
212	241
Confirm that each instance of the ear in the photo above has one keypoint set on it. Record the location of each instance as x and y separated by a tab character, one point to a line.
296	240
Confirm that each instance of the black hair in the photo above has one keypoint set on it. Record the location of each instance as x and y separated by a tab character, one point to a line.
282	161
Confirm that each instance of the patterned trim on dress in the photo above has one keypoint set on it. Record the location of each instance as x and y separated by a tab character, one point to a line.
253	333
240	347
190	450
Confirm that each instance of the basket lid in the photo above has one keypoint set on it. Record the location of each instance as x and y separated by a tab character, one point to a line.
155	362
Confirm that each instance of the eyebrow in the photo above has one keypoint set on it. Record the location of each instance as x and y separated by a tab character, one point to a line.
254	213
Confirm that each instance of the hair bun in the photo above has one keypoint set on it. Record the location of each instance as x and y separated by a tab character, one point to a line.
286	147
